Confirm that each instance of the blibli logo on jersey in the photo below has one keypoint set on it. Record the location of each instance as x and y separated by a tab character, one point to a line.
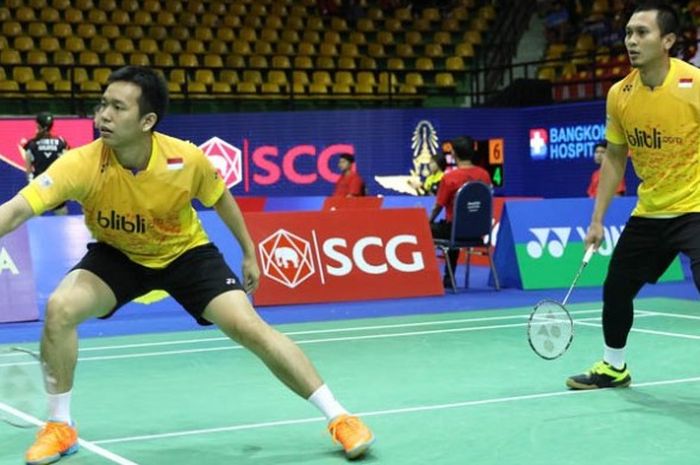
655	140
643	139
115	221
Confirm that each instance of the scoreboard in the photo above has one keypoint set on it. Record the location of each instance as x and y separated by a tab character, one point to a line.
490	157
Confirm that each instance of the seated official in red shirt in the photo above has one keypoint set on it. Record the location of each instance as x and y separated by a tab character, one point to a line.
465	171
599	154
350	183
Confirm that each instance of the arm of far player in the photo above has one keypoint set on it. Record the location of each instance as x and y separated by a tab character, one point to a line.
14	213
612	171
231	215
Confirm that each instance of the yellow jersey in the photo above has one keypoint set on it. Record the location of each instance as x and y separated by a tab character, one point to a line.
147	214
661	128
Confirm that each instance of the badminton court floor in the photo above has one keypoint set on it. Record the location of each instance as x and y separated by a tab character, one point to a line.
453	388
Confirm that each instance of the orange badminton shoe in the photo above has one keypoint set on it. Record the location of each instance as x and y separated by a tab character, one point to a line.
351	433
53	441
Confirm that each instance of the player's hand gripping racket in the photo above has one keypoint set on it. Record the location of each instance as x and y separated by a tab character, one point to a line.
550	328
22	387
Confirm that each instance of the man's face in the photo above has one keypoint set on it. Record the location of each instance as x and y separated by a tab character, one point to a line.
344	165
117	117
643	39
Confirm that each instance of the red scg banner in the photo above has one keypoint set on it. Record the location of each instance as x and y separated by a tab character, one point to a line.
344	255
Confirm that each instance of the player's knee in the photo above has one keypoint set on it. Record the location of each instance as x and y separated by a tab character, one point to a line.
59	312
620	289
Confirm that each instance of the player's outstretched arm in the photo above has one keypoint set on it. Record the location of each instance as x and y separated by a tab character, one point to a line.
612	171
14	213
231	215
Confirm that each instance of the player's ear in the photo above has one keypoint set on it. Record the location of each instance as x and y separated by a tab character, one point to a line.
668	41
148	121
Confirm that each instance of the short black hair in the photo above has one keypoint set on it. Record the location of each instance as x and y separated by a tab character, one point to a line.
154	90
463	148
45	120
666	16
440	161
602	143
348	156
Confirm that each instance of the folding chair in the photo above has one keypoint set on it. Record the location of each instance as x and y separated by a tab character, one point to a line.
471	228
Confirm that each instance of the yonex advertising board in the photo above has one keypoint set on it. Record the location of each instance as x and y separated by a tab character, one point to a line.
17	290
540	242
343	255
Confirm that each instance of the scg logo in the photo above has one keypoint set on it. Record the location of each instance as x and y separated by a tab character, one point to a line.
336	249
226	158
286	258
289	259
556	246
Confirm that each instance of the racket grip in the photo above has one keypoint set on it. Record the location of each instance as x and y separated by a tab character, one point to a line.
589	253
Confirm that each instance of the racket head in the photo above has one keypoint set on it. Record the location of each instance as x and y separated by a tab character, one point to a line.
22	388
550	329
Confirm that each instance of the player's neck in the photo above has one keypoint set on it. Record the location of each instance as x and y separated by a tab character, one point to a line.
135	156
653	74
464	164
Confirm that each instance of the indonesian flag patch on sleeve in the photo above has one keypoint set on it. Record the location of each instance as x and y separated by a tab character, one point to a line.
175	163
685	83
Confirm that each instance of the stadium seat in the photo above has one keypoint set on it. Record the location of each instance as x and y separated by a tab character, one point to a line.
455	63
194	46
36	87
88	58
139	59
110	31
120	17
10	57
331	37
404	51
325	62
235	61
444	80
413	38
395	63
115	59
221	88
96	17
251	75
311	36
212	60
347	63
101	75
22	74
50	15
23	43
281	62
205	76
257	61
277	77
37	57
37	30
74	44
270	36
50	74
425	64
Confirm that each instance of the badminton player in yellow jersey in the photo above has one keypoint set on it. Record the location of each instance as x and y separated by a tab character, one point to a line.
136	187
654	113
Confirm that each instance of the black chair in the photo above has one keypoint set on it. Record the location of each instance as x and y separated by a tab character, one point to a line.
471	228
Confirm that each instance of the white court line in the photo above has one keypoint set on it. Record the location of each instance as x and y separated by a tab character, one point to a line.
673	315
89	445
398	411
648	331
321	331
302	342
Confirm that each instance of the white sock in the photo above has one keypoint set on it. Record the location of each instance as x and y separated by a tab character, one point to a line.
615	357
59	407
324	400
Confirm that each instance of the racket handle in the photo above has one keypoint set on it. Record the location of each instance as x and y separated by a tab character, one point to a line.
589	253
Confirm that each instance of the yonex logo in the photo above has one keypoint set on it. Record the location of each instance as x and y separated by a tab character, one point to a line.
286	258
538	144
553	240
226	158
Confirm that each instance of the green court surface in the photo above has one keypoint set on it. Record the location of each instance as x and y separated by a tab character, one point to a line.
457	388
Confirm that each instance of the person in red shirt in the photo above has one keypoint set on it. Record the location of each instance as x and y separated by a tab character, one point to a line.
598	154
466	170
350	183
